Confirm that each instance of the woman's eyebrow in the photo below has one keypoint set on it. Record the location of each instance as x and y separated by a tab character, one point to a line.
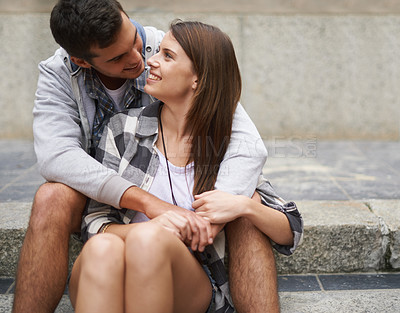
169	51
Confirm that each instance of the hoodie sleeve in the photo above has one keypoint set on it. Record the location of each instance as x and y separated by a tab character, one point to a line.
244	159
59	139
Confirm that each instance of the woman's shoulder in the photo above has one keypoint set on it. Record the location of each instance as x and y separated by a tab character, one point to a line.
150	110
128	120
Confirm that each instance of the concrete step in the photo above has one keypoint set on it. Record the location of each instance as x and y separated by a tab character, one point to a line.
339	236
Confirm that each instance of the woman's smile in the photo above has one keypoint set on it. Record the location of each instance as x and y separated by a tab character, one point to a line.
154	77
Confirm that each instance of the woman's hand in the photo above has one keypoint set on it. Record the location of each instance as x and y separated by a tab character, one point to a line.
192	229
174	223
219	207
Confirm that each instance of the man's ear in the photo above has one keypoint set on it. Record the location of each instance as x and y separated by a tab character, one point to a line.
80	62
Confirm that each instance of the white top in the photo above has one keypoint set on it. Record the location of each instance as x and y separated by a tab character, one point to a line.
182	184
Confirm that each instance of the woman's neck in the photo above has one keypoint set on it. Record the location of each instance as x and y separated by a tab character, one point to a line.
173	118
175	135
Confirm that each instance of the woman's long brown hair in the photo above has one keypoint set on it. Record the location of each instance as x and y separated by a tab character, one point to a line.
218	92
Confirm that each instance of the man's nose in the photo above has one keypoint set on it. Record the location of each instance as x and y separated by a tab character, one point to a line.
134	56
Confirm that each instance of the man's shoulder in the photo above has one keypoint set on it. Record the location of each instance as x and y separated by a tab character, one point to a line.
59	62
153	31
154	37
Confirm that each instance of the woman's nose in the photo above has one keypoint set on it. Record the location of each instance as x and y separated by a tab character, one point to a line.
153	61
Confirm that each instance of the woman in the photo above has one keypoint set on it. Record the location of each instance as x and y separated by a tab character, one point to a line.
172	149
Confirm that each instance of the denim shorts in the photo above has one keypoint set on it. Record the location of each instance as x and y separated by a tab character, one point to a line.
211	307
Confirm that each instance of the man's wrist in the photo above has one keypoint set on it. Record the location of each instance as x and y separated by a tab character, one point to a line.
142	201
127	197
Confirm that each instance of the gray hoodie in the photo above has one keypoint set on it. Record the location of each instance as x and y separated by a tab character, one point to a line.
63	116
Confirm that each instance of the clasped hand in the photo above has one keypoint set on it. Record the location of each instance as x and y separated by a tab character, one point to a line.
194	230
212	209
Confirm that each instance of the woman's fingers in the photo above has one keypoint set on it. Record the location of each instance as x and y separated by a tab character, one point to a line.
189	227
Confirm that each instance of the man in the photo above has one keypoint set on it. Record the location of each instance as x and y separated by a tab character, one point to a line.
99	70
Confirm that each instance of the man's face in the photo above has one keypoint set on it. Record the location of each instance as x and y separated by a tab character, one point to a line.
122	59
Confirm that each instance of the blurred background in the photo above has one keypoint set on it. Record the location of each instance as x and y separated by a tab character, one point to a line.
318	69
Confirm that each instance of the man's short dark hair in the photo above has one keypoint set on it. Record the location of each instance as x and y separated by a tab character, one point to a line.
79	25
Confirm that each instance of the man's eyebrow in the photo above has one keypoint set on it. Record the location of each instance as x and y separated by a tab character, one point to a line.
121	55
134	40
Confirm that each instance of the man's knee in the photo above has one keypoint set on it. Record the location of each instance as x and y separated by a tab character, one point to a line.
56	203
242	229
244	237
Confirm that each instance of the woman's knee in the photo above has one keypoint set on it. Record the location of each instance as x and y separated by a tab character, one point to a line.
56	203
148	242
103	253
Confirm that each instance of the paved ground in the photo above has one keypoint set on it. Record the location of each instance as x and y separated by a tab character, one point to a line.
313	170
303	293
305	169
299	169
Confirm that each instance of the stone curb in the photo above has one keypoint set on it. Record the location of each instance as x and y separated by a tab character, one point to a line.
339	236
346	236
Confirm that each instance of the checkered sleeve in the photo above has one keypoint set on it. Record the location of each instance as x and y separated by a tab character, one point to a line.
271	199
110	152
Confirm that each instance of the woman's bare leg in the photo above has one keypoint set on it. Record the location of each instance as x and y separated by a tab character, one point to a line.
97	279
162	275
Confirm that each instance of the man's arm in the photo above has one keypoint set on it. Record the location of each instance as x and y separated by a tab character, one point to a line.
244	159
59	139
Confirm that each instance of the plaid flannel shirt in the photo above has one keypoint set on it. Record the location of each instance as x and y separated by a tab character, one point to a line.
127	146
105	107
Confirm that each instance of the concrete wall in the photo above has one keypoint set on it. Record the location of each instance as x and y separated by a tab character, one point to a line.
321	69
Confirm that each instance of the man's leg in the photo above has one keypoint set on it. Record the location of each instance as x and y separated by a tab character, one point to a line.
252	270
43	262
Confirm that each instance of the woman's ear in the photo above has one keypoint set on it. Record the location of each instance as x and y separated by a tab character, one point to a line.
80	62
194	86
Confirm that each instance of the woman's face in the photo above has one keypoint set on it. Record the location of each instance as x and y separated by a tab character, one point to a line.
171	78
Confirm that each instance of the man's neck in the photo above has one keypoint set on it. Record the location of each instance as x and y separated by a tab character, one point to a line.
111	83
